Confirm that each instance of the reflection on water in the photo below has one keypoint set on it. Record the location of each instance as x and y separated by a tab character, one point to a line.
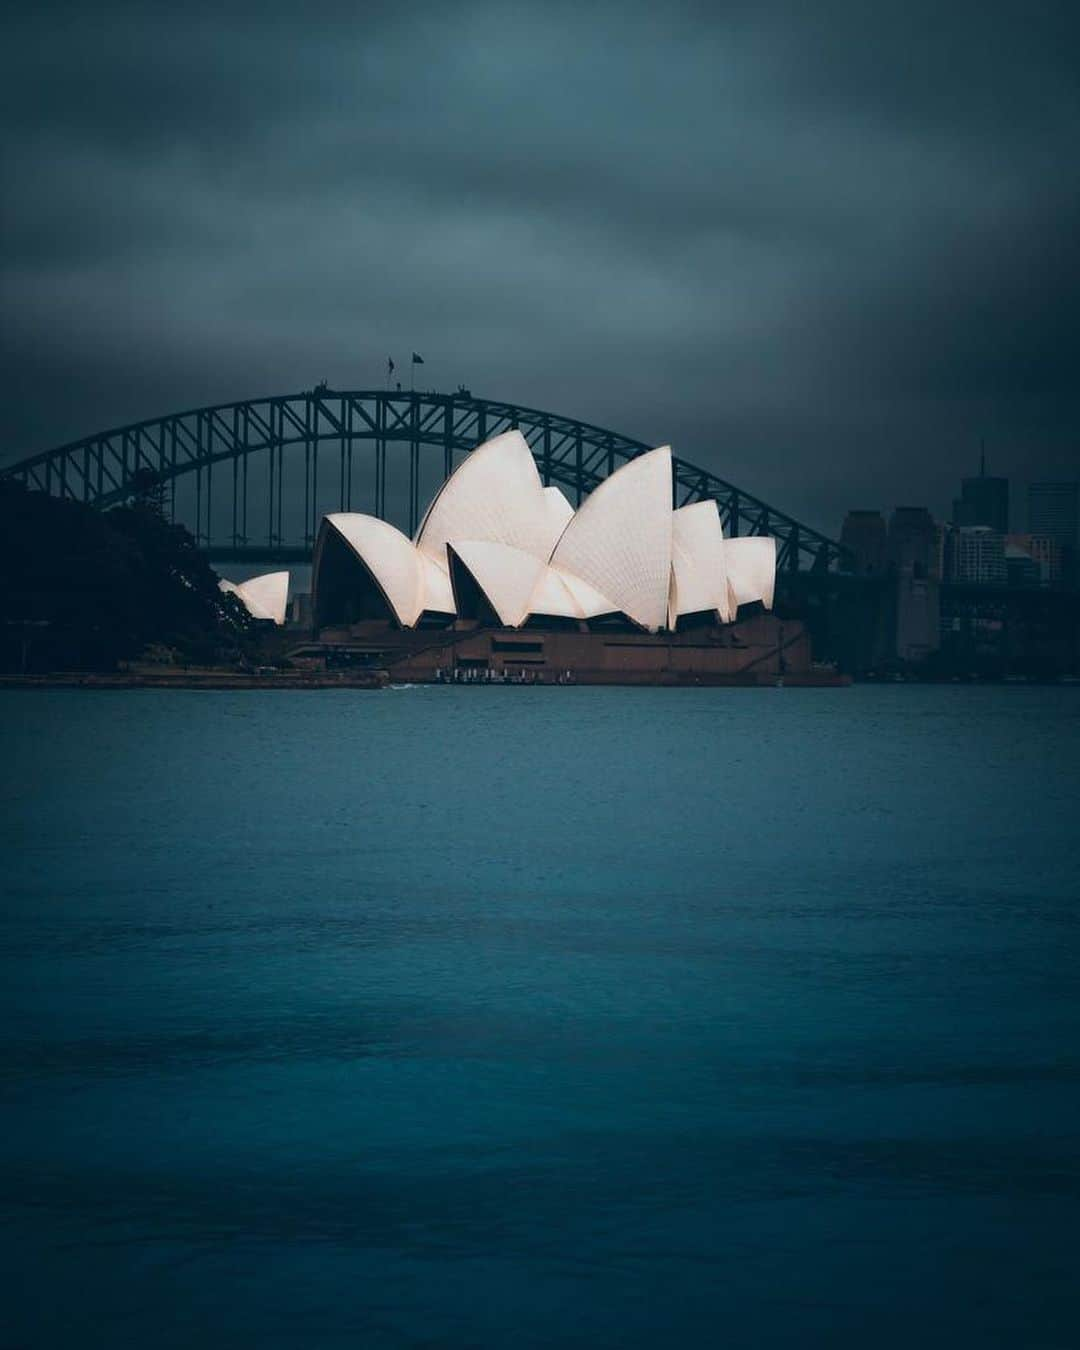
554	1016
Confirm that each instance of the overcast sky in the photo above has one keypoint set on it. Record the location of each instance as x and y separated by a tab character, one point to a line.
821	248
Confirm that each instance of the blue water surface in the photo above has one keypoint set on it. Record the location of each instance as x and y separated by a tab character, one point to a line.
491	1017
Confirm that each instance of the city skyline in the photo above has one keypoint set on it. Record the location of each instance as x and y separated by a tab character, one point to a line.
1043	507
1039	506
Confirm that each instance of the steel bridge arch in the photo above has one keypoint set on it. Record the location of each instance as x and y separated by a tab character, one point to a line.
111	466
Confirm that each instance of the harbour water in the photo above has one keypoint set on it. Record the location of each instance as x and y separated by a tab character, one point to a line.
578	1017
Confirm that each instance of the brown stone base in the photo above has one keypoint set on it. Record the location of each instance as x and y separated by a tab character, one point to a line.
760	649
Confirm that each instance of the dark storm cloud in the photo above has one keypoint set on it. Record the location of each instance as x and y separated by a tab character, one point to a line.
824	249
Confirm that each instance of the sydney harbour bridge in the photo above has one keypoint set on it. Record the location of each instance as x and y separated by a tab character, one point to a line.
252	479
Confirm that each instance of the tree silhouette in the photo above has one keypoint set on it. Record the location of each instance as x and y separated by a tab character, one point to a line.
82	589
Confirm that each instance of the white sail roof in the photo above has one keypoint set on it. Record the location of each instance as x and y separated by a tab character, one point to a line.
625	549
438	594
553	598
559	513
558	594
507	576
619	540
751	569
518	585
495	494
589	601
698	565
391	559
264	597
689	592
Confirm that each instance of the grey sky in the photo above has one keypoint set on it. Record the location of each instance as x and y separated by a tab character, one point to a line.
821	248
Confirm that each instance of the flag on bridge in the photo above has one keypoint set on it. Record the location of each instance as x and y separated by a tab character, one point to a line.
389	365
417	359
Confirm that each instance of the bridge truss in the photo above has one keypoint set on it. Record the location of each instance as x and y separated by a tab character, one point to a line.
254	452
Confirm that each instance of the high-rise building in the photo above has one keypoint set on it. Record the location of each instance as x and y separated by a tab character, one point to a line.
943	532
1046	554
1021	568
983	501
1052	512
865	535
912	543
912	555
976	556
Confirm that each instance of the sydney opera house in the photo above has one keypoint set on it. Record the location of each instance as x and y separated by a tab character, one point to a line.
264	597
505	579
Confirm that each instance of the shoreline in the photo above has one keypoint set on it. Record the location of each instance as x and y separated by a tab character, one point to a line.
219	680
382	679
195	680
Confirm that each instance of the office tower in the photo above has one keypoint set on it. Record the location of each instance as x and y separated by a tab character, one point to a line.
912	555
977	556
865	535
1052	512
983	501
1046	554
